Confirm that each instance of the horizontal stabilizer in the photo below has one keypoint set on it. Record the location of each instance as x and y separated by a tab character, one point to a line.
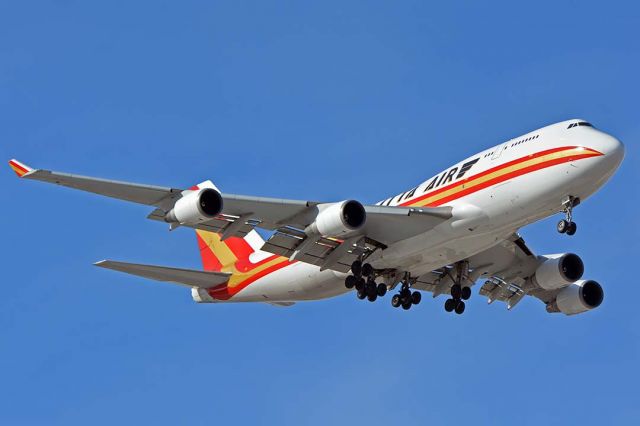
187	277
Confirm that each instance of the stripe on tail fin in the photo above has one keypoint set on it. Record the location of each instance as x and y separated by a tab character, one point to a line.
239	256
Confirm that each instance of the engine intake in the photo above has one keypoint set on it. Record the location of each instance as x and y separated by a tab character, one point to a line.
579	297
338	219
197	206
558	270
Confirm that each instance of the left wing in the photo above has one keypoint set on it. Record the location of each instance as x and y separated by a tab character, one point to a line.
187	277
288	219
507	268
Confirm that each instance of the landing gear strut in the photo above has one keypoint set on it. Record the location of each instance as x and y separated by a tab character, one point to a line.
406	298
567	225
363	279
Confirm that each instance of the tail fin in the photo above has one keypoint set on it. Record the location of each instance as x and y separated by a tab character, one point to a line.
231	255
240	257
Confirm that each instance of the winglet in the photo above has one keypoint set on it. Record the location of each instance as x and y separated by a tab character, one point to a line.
19	168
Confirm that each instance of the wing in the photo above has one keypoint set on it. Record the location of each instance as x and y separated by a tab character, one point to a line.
287	219
187	277
505	267
384	226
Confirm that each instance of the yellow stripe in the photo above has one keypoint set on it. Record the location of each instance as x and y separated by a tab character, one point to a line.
239	277
501	172
17	170
220	249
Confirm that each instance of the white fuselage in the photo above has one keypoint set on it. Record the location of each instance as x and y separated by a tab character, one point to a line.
519	195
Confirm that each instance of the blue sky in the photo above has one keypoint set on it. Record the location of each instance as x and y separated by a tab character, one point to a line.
318	101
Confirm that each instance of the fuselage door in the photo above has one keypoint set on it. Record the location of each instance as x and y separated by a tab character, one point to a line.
498	151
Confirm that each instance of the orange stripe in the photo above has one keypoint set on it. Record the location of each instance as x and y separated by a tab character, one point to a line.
18	169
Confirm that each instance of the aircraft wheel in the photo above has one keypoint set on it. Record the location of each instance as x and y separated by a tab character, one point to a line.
361	294
460	307
416	297
350	281
360	284
356	268
406	306
372	297
449	305
465	294
562	226
381	289
456	291
367	270
572	228
395	301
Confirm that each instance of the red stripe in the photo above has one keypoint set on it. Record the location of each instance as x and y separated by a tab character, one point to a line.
494	169
14	164
506	177
239	247
224	292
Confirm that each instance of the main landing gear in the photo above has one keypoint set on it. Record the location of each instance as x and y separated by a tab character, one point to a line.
459	293
363	279
567	225
406	298
455	303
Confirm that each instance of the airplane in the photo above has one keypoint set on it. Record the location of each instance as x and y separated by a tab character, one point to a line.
441	236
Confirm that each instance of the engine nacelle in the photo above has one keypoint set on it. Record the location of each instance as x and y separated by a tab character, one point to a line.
338	219
558	270
578	297
197	206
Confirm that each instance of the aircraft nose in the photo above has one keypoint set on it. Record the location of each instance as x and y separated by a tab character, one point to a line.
612	148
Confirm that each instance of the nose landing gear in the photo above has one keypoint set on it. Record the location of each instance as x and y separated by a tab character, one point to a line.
567	225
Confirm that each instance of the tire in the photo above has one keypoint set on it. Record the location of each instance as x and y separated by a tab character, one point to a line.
360	284
460	307
372	297
416	297
350	282
367	270
465	293
395	301
406	306
371	290
361	294
449	305
562	226
381	289
356	268
572	228
456	291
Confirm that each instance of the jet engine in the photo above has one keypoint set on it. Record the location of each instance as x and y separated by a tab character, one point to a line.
197	206
558	270
578	297
338	219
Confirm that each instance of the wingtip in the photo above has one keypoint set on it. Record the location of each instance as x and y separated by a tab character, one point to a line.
101	263
19	168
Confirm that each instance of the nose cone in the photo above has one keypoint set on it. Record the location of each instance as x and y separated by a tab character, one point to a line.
612	149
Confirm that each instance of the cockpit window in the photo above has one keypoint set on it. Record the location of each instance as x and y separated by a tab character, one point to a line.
580	123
